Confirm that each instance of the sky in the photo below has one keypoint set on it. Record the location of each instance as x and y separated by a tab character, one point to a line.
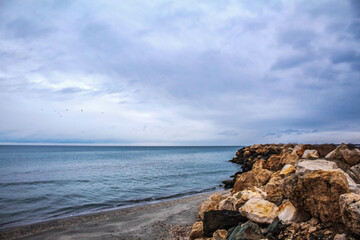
179	72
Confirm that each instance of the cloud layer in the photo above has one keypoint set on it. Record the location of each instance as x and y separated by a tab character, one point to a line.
179	72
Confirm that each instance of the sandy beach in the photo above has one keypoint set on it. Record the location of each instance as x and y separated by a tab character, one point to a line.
164	220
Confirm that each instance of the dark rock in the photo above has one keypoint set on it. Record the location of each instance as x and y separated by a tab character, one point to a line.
247	231
221	219
273	230
228	183
354	173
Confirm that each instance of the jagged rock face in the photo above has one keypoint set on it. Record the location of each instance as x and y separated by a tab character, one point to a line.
317	192
273	163
347	153
354	173
212	203
350	211
221	219
253	178
259	210
247	231
220	234
197	230
273	189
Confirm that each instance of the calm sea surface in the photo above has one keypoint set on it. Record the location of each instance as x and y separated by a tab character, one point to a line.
38	183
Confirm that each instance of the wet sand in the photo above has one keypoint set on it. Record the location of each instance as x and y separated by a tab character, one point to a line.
164	220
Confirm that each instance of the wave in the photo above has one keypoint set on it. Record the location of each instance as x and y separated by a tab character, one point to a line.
9	184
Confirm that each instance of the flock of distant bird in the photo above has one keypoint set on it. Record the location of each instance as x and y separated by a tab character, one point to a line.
81	110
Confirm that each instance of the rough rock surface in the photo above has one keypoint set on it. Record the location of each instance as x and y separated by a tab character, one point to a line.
212	203
287	170
197	230
221	219
220	234
354	173
310	154
247	231
350	211
347	153
273	230
253	178
243	196
317	192
273	189
227	204
305	166
259	210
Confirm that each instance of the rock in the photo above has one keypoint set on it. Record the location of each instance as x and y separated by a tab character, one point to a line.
340	236
196	230
313	221
212	203
273	230
354	173
304	166
273	189
288	214
247	231
221	219
243	196
273	163
287	170
220	234
253	178
317	192
288	158
298	150
260	164
310	154
348	153
227	204
259	210
350	211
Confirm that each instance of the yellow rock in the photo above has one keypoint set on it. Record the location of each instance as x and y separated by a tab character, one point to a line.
197	230
220	234
259	210
243	196
287	170
212	203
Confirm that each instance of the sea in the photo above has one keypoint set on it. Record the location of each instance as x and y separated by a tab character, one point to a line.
39	183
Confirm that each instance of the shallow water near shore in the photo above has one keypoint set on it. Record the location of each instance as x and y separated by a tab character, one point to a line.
38	183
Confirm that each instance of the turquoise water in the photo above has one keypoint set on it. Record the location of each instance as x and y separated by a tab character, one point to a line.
38	183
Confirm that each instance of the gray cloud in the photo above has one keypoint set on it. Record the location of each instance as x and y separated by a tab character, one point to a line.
191	72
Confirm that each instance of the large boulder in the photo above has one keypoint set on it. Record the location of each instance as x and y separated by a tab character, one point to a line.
317	192
253	178
347	153
350	211
247	231
221	219
305	166
354	173
273	163
259	210
197	230
212	203
243	196
288	214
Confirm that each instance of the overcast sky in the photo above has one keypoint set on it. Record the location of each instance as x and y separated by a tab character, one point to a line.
179	72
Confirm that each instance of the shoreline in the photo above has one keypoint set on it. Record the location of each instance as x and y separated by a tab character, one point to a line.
118	215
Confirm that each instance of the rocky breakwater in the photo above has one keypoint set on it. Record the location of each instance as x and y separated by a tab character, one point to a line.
287	192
